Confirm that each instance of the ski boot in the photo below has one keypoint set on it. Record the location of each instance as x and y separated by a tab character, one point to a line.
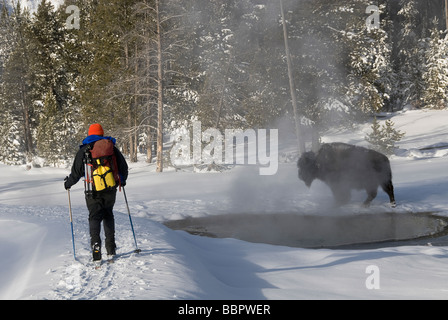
96	253
111	255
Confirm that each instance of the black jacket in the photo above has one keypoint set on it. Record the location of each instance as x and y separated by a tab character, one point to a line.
77	171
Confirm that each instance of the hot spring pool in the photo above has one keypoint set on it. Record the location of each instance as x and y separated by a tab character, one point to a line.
319	231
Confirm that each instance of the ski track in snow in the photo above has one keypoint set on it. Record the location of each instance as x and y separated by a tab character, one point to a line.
151	274
82	281
129	273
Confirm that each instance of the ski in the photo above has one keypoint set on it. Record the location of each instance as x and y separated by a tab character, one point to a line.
97	264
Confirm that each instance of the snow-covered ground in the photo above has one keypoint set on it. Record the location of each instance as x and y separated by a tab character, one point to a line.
37	256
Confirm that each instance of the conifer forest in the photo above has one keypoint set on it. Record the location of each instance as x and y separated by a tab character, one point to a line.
143	68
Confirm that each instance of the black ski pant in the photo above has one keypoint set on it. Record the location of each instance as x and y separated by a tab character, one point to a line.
100	206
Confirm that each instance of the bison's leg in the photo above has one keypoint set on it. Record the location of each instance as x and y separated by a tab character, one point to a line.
389	189
371	194
341	194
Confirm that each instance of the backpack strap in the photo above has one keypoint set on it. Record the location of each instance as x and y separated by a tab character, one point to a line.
88	172
115	171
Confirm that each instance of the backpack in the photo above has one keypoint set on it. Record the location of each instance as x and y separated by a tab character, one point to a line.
101	168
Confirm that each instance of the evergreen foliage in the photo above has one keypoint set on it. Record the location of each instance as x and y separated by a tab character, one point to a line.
435	74
383	137
222	63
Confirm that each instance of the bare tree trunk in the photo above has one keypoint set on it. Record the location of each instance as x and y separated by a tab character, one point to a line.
133	123
28	136
132	156
149	106
29	150
159	94
300	142
446	14
221	99
26	123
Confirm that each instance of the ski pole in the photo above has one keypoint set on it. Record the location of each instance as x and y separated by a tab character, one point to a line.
71	223
137	250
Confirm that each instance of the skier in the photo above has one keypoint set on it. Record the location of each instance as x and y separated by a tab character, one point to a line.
99	203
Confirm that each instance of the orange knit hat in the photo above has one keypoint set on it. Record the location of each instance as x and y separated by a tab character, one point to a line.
96	129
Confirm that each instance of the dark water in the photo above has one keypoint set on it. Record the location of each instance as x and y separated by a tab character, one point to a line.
319	231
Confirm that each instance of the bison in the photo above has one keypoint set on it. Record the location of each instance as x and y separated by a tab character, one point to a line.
344	167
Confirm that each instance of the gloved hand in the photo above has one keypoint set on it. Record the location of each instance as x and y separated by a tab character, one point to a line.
123	183
67	186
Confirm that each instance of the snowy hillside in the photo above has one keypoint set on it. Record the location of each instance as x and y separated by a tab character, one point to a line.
37	257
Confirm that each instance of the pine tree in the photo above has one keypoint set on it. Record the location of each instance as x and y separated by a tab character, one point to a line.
9	151
435	75
371	75
12	146
49	144
6	37
410	55
46	41
383	138
219	97
52	76
320	76
102	64
18	124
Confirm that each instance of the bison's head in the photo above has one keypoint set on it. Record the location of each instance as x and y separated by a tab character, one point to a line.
307	168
